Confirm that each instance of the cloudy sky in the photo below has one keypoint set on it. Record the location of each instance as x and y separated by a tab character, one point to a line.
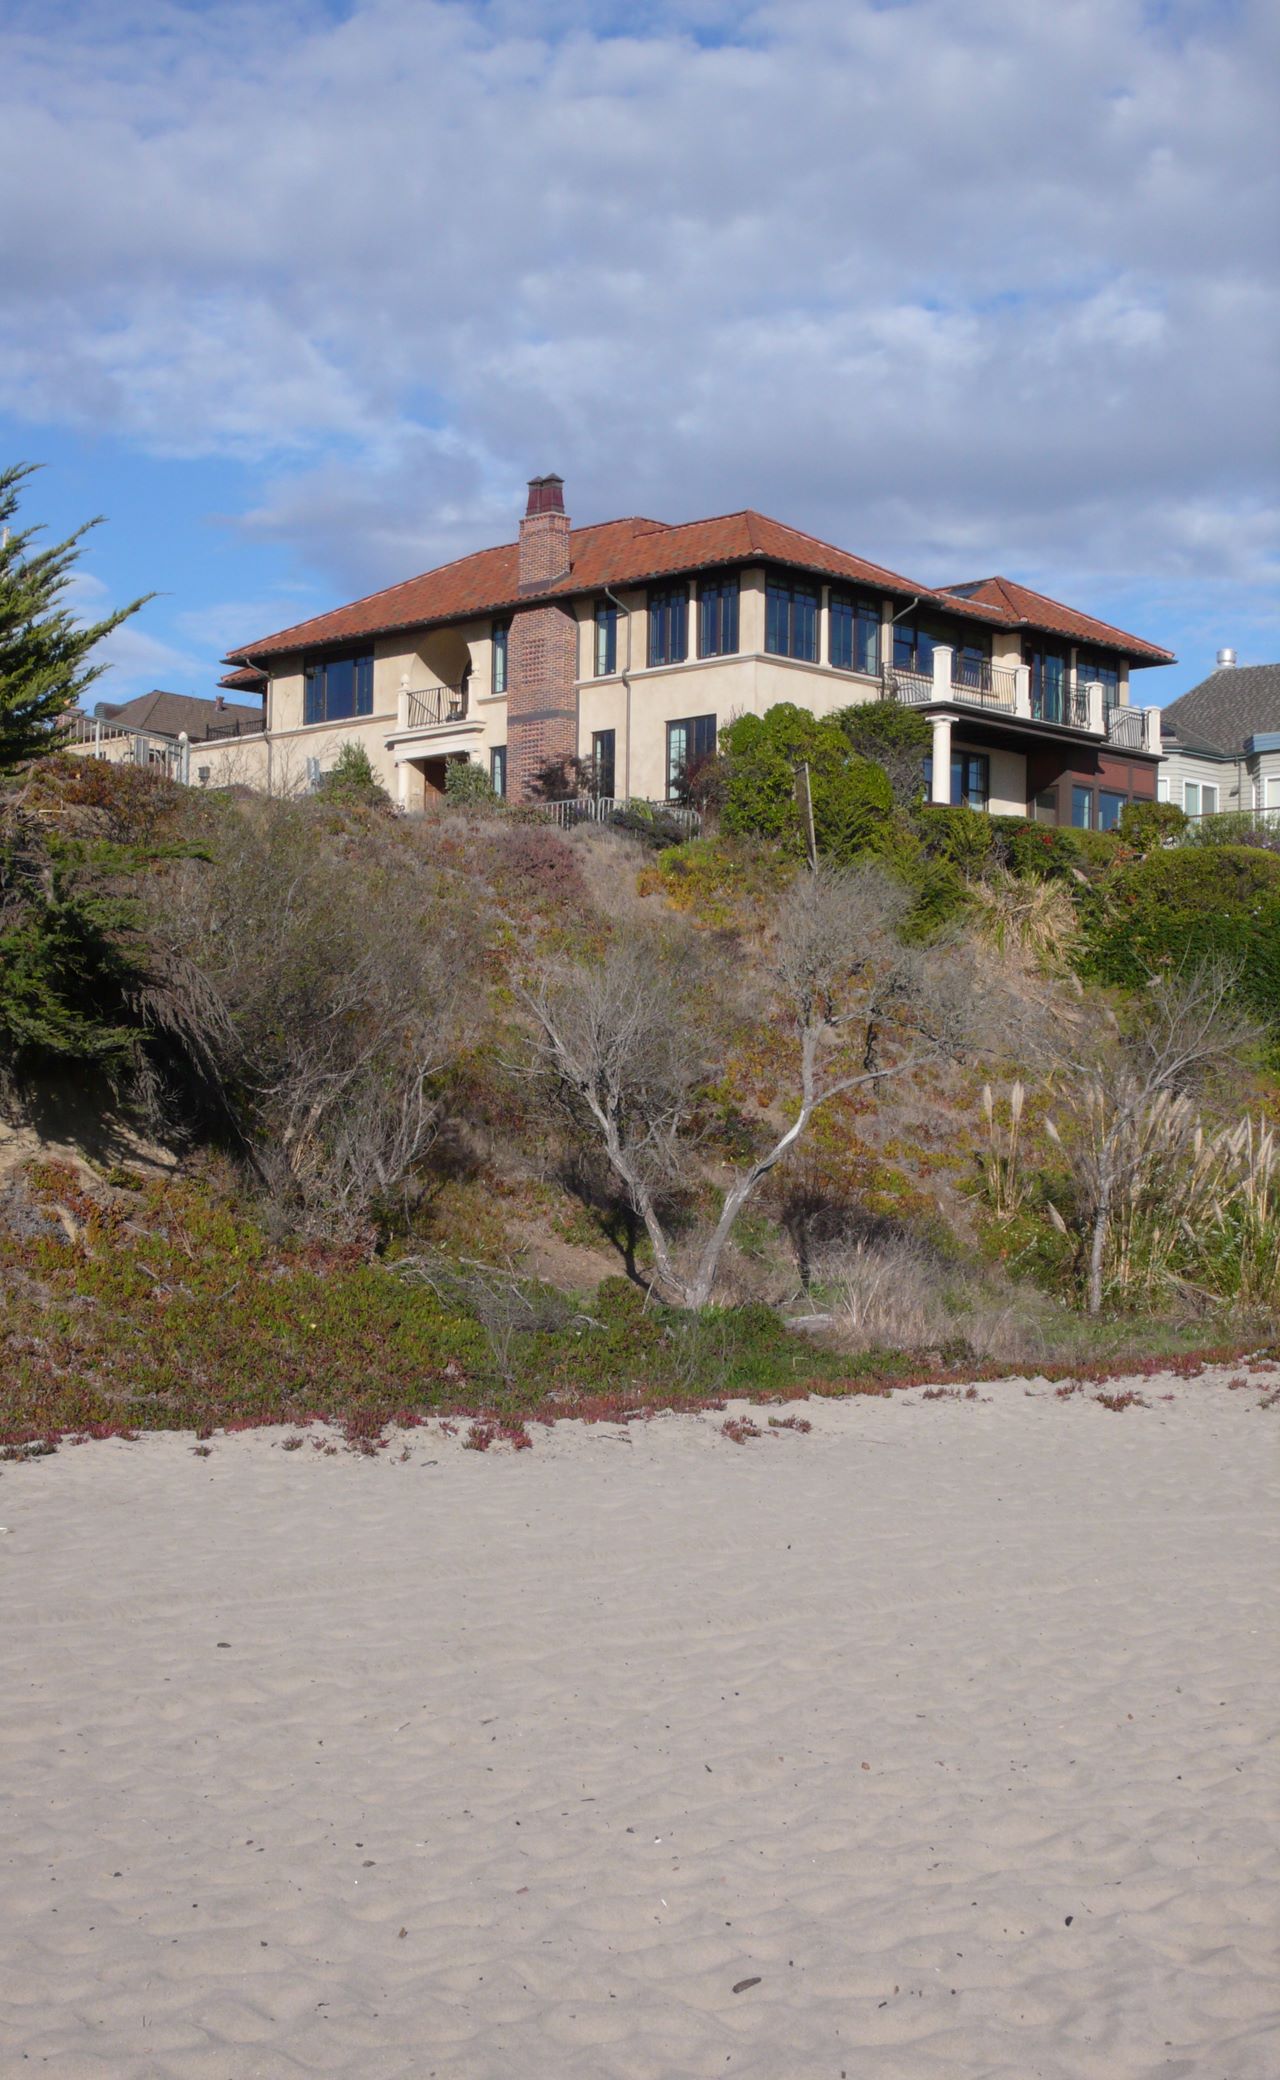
299	292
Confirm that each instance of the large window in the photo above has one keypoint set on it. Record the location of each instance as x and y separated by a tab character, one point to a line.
1082	808
604	763
791	619
606	652
970	779
338	687
971	666
718	616
501	631
1047	672
1111	807
855	634
912	648
668	624
1199	798
1108	675
688	742
498	768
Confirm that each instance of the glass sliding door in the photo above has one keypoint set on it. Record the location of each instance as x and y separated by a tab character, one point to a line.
1048	675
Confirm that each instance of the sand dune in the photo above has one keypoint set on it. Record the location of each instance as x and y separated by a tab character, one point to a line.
938	1732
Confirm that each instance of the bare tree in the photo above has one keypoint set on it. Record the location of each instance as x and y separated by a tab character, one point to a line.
337	983
1114	1082
632	1041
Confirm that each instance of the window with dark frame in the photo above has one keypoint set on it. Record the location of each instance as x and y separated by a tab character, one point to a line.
718	616
791	619
1111	807
668	624
970	779
606	643
1108	675
971	666
603	763
337	688
912	647
498	677
1081	808
498	769
688	742
1047	677
854	639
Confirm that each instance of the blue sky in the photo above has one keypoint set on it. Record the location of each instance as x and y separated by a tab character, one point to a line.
298	294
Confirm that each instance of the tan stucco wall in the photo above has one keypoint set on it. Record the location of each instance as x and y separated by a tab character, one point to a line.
1007	776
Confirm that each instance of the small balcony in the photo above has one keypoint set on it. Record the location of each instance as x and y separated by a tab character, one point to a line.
1005	691
433	707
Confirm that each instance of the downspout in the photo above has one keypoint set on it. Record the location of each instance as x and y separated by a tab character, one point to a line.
626	681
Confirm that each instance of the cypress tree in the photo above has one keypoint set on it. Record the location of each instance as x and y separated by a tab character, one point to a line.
44	649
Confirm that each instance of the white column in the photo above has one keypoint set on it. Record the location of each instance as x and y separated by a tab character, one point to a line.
403	771
1022	690
1097	721
1152	736
942	677
824	624
940	791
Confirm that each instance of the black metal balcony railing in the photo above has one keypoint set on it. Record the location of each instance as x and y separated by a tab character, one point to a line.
253	726
428	706
1126	727
980	684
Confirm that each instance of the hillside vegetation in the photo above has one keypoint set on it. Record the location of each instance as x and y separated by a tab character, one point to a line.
469	1113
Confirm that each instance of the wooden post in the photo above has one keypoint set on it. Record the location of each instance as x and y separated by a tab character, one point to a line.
804	796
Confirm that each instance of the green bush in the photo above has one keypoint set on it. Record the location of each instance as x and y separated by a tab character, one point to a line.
352	782
465	781
894	737
1192	904
852	798
1144	825
964	838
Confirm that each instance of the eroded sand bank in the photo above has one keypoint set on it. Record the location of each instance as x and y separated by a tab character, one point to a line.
943	1726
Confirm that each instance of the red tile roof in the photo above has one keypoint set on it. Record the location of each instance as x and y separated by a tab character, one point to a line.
1020	607
250	679
633	552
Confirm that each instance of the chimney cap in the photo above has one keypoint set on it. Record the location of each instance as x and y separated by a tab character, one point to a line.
546	495
1226	658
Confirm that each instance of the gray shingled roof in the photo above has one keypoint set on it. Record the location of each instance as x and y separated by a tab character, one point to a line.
168	714
1234	703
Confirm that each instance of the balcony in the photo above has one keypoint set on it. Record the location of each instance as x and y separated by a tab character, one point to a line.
433	707
1004	690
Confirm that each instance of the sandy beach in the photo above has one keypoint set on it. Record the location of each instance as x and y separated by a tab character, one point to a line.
932	1742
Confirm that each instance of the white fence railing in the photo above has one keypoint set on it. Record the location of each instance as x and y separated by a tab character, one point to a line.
604	809
95	738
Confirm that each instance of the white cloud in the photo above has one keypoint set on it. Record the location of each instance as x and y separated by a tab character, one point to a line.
961	282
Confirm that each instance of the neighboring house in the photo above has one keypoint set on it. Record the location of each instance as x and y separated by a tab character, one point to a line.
631	643
1222	741
150	729
173	715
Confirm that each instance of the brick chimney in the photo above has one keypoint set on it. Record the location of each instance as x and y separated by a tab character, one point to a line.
544	535
542	648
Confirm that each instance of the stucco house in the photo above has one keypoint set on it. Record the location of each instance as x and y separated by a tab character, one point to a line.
632	642
1222	741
